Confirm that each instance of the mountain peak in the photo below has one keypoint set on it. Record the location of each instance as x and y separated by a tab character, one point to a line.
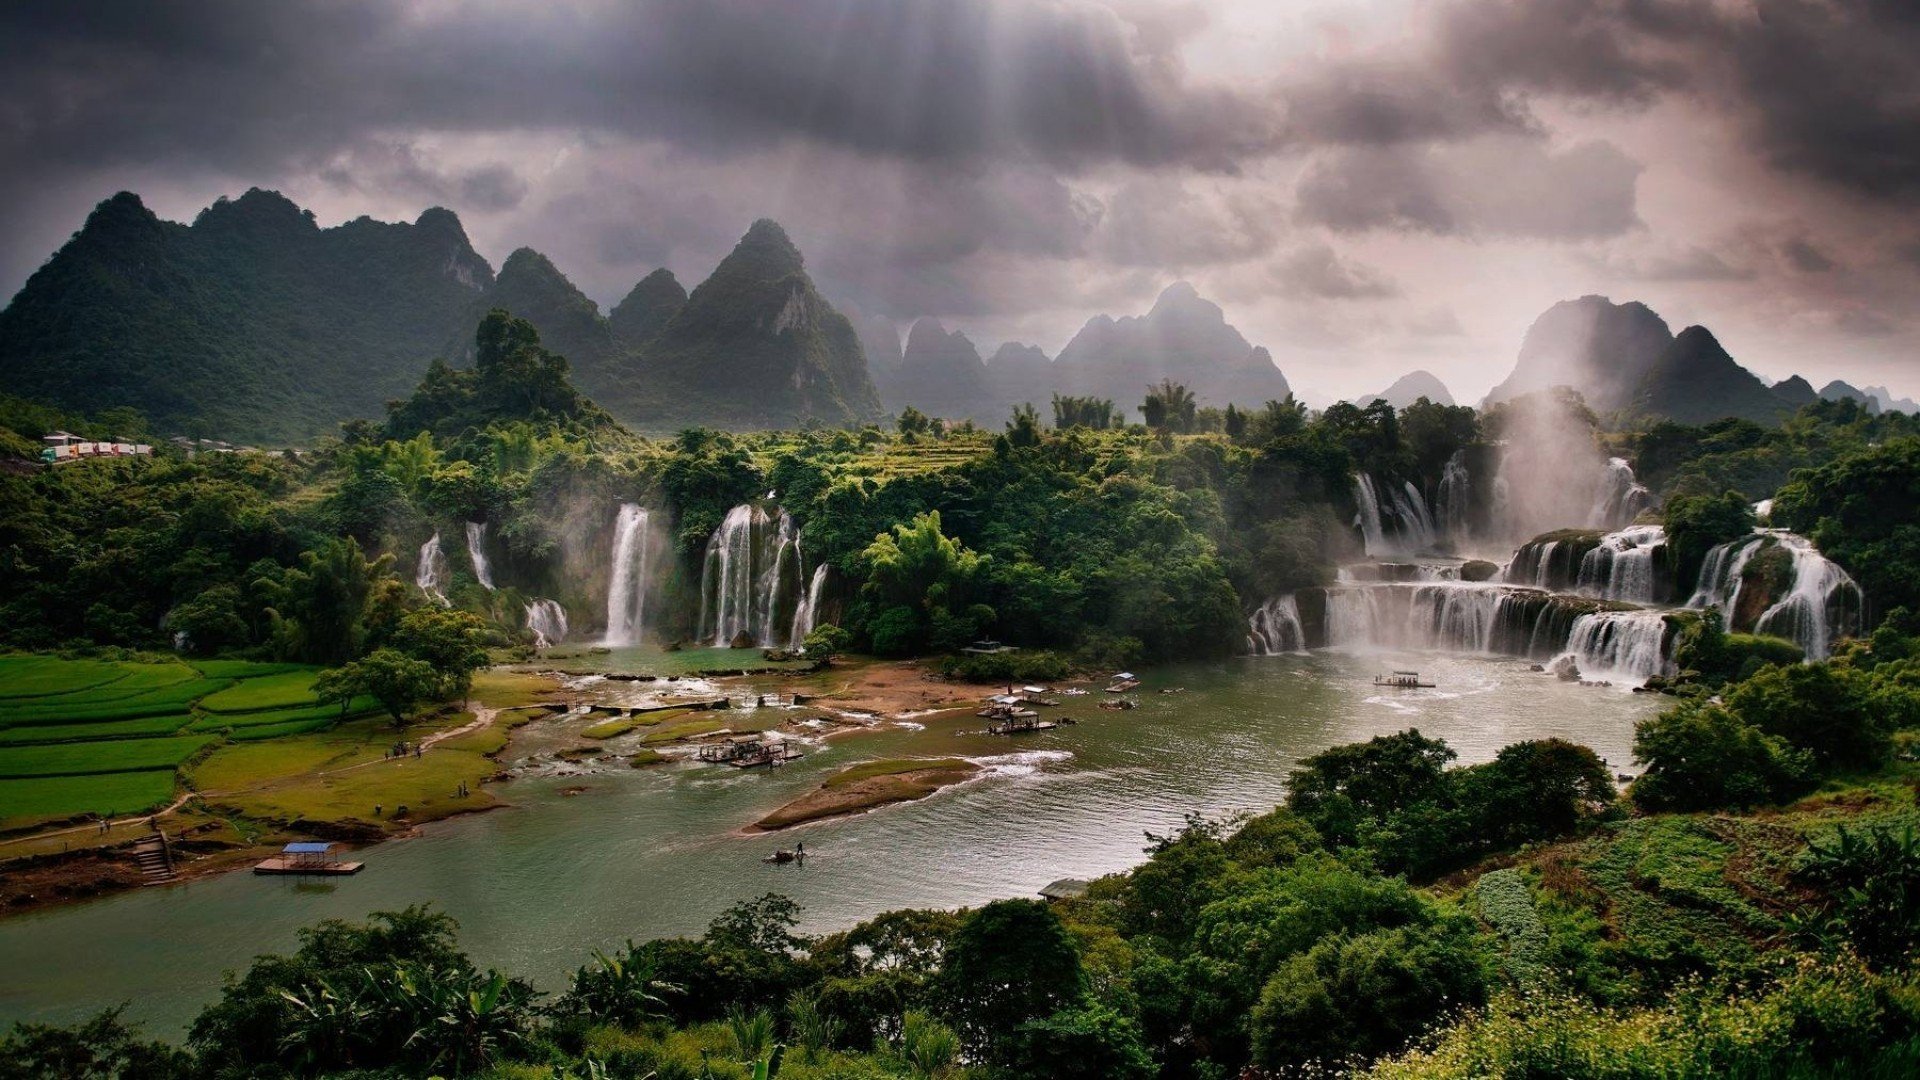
1410	388
1597	347
648	306
765	239
1695	381
258	211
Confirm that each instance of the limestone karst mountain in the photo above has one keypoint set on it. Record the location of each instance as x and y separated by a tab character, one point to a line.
1597	347
941	374
756	345
1184	338
1694	381
1410	388
253	322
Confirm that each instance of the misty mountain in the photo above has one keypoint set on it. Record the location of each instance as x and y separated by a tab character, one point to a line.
647	308
1694	381
570	323
1184	338
1796	392
1602	349
1623	358
253	322
1410	388
1841	391
1889	403
1020	374
756	345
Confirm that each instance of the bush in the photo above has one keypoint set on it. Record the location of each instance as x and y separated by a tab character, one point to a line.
1006	667
1702	757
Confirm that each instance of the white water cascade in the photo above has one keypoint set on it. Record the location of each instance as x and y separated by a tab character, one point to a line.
548	621
1274	628
1401	524
477	551
1441	616
1626	646
1621	568
1619	499
629	576
1455	501
432	571
1823	603
750	581
807	613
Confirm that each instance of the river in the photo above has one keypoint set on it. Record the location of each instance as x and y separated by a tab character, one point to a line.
656	852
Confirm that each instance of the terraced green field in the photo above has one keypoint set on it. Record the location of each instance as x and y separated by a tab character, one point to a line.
107	737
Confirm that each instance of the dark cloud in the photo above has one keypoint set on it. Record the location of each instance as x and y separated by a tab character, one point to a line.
1804	257
1490	187
1319	272
1692	262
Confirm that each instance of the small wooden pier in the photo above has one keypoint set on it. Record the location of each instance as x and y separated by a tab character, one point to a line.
1402	680
308	858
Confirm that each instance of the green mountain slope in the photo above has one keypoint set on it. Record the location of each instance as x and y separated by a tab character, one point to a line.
1694	381
253	323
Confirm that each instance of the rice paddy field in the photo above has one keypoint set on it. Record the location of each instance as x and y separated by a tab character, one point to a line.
111	737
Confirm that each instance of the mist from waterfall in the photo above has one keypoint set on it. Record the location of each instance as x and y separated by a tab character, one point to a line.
1550	474
1455	502
548	621
629	576
477	552
1620	498
430	573
750	577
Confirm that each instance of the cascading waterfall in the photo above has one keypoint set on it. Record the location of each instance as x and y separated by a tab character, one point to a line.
432	570
749	583
1455	500
477	551
807	613
1274	628
1823	604
548	621
1532	566
1621	645
1402	524
1620	497
1450	616
1621	568
629	576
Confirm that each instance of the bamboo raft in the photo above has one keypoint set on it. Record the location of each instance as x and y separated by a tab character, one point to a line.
1402	680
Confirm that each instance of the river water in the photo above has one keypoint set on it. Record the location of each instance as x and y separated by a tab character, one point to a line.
653	852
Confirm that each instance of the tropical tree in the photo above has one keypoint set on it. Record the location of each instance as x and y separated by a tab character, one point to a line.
1169	406
319	608
397	681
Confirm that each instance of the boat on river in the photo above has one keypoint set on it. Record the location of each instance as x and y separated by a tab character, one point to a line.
1123	682
1402	680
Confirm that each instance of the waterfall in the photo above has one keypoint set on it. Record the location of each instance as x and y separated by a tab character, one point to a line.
1620	497
432	570
629	576
1371	532
807	613
1455	500
1823	604
1625	646
1621	568
477	551
1532	566
1444	616
749	582
1274	628
1405	509
1720	574
1763	511
548	621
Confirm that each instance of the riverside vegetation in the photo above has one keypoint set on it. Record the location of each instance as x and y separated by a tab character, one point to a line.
1397	917
1746	909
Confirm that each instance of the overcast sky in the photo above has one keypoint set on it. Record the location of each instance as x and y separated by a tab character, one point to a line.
1367	186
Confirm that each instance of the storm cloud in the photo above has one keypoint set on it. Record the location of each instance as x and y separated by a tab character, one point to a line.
1017	165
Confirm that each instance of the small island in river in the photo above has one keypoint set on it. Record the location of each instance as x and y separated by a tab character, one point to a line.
869	785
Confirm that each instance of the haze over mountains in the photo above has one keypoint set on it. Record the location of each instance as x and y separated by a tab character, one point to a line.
255	323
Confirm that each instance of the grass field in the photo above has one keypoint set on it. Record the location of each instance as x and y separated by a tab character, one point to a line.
287	689
110	737
63	796
81	759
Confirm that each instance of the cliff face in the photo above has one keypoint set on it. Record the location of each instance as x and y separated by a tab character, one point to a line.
252	323
756	345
